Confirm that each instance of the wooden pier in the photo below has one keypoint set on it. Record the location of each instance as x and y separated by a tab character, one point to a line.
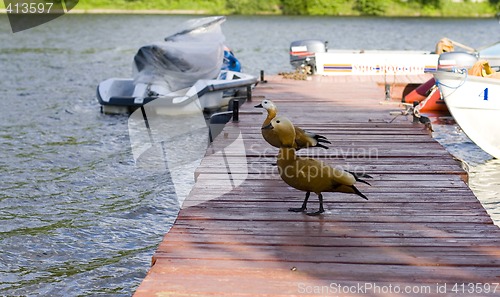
421	233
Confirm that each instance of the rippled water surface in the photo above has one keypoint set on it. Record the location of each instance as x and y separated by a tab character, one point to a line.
78	217
484	172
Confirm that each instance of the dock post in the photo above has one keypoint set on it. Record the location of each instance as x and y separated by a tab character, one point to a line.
387	92
249	94
236	111
262	80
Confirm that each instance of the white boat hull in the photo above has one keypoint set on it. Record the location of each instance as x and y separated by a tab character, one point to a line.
474	102
121	95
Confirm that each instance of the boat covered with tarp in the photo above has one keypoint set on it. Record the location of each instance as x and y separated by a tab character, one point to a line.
188	71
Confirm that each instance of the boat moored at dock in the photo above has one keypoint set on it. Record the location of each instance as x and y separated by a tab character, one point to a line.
206	95
315	56
190	71
474	103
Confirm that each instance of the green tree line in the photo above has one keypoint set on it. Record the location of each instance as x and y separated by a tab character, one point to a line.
447	8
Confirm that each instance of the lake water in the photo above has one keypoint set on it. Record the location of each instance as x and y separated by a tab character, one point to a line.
78	218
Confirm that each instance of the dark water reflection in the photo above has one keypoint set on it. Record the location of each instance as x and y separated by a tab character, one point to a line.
78	218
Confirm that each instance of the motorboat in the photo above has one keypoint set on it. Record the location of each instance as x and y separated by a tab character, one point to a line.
428	96
189	71
119	95
315	58
474	103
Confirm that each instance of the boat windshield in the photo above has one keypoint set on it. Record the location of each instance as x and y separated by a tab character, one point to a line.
490	50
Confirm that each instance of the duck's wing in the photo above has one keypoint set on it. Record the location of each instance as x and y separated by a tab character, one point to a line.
320	171
305	139
340	176
338	185
316	176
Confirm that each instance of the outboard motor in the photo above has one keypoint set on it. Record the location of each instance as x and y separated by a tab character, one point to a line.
302	54
454	61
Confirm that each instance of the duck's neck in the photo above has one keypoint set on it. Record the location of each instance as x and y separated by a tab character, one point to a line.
271	114
286	154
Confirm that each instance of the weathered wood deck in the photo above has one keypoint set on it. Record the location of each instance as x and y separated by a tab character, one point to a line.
421	231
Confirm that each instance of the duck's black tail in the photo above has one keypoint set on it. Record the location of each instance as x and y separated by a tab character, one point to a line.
320	140
318	144
357	192
358	176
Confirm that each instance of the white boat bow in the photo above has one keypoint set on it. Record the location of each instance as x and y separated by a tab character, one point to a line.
474	102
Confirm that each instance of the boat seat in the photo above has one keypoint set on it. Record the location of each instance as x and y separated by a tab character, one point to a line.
140	90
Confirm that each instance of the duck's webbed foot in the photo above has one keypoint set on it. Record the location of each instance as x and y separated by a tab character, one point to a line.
321	209
304	205
316	213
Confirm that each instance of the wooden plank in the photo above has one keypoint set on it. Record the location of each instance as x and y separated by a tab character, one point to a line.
335	215
381	252
239	278
330	271
457	208
339	229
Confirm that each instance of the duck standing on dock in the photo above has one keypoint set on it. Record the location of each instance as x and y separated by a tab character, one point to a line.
307	174
303	139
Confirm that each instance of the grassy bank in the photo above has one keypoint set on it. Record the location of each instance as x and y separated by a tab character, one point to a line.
391	8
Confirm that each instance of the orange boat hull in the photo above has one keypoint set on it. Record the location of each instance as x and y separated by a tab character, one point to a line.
434	105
